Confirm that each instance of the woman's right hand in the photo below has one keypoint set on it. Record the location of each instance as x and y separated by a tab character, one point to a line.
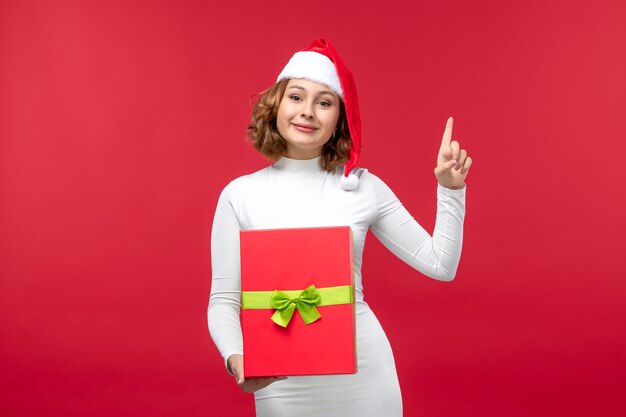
235	367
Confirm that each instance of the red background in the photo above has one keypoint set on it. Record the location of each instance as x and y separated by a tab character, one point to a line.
121	121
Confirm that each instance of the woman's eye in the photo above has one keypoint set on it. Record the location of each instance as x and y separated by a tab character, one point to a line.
295	98
326	103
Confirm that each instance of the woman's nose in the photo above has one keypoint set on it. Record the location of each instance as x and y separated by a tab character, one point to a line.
307	110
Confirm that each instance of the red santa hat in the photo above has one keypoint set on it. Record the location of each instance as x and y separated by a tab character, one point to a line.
319	62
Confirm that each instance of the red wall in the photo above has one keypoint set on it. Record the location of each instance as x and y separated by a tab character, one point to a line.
120	122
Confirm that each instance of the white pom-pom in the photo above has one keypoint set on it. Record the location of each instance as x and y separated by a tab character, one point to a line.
349	183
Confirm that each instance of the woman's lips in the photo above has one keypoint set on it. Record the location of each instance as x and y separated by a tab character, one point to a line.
304	128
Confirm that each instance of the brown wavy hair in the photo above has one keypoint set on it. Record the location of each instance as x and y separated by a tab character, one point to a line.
264	134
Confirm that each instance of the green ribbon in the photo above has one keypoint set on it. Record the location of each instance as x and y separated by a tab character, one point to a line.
306	301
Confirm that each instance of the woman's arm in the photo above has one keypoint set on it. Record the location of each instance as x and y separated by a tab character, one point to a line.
224	302
436	256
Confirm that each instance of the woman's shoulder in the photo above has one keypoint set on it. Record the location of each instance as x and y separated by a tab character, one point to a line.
246	182
373	184
367	178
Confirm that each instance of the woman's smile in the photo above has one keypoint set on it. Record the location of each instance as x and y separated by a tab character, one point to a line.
304	128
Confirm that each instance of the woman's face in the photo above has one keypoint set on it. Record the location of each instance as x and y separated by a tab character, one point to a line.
307	117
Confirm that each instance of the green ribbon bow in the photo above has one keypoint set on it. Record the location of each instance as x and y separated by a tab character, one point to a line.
306	301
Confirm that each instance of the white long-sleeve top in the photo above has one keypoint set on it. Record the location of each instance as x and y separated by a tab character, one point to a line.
300	193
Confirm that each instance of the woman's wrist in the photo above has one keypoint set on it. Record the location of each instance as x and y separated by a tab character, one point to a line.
453	188
230	364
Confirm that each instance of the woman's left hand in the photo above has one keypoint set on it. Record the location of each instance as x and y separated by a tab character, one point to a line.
452	162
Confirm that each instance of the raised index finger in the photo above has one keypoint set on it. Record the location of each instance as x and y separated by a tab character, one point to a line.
447	133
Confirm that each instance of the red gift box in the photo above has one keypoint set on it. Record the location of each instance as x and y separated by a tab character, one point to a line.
290	261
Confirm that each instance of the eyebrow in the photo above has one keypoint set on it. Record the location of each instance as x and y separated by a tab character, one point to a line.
298	87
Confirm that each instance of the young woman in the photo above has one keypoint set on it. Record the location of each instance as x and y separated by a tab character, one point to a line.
309	124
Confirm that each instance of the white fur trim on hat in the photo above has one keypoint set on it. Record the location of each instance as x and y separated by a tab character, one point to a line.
313	67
